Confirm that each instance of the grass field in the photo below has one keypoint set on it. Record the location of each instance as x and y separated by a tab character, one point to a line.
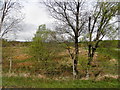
112	52
21	82
26	72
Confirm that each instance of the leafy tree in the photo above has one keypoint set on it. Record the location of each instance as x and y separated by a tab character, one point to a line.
99	26
43	49
39	45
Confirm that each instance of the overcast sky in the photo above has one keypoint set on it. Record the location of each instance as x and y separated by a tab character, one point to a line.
35	15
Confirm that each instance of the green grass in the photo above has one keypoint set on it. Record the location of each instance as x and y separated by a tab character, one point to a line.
22	82
110	52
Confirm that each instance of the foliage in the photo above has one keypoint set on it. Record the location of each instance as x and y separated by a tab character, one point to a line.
43	50
40	47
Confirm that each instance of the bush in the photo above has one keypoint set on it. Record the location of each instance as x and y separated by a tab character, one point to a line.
43	51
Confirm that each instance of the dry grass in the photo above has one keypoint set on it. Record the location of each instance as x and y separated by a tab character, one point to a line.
22	57
22	60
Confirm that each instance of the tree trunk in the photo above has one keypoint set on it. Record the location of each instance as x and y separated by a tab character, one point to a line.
89	60
75	61
91	52
88	67
76	32
10	68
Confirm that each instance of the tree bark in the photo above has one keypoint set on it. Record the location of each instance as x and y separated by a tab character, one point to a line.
75	61
10	68
91	52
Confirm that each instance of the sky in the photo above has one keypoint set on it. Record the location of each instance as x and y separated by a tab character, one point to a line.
35	14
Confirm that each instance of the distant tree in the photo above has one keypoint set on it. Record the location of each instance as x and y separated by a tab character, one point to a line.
10	16
99	26
43	50
71	19
40	48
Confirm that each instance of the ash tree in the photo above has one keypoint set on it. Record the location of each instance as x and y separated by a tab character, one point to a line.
71	19
99	27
